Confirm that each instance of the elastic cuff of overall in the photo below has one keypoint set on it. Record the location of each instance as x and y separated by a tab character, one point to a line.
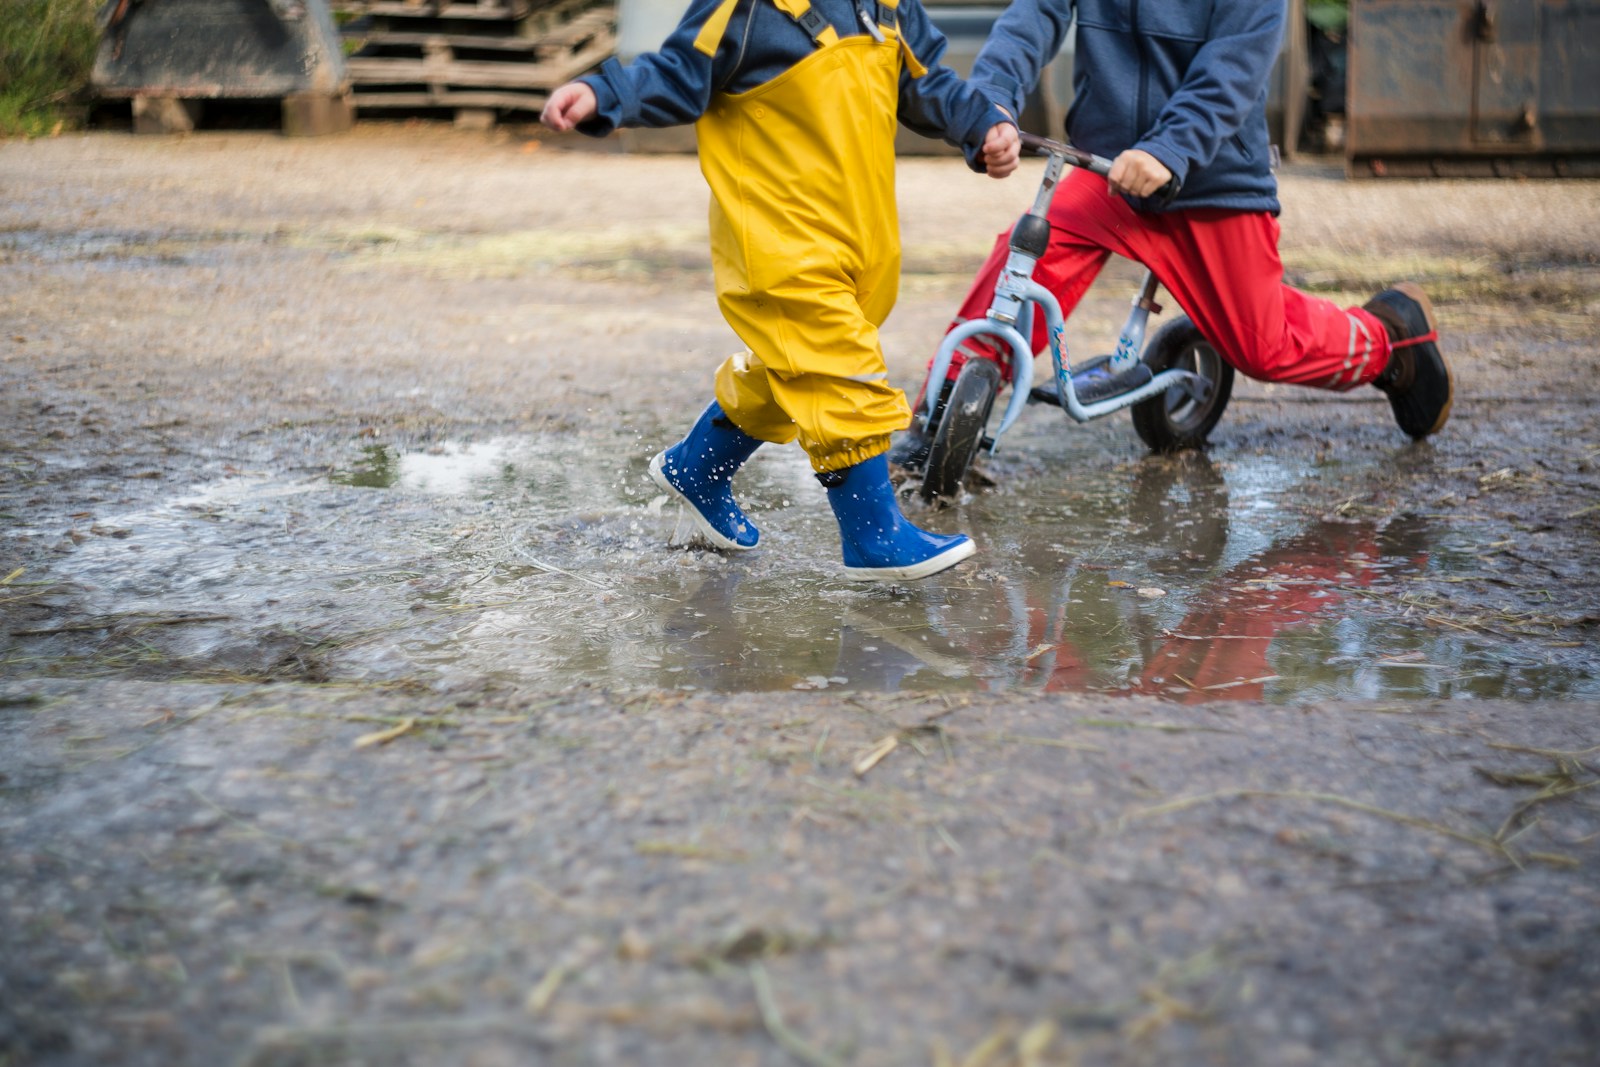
1003	92
1177	164
971	140
838	461
763	434
612	93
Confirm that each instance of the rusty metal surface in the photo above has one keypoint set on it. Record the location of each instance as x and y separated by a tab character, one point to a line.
207	49
1463	86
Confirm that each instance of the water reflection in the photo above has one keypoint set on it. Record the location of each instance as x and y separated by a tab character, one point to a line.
1204	635
1280	597
378	468
446	469
549	563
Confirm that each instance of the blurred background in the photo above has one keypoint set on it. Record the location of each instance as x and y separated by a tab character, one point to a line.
1410	88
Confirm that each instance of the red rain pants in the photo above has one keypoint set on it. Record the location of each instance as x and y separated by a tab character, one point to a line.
1223	269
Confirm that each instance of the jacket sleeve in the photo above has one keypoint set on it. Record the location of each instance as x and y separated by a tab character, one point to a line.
668	87
1221	87
939	103
1025	37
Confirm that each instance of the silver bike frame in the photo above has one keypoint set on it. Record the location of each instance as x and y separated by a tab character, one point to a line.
1014	295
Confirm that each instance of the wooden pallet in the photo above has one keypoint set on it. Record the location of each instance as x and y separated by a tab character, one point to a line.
445	9
417	63
525	18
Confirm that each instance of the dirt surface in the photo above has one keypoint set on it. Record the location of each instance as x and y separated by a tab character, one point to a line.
281	782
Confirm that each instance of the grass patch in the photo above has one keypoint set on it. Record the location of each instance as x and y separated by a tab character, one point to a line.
665	249
1324	270
1472	280
46	53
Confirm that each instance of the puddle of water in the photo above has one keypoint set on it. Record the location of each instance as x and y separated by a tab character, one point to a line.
547	562
378	467
451	469
119	248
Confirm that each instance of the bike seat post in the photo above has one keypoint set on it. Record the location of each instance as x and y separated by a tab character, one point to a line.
1131	340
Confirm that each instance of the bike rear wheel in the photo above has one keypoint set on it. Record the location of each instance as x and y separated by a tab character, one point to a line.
959	435
1175	420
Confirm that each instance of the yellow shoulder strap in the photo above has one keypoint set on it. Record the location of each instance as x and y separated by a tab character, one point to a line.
710	35
913	64
820	29
887	12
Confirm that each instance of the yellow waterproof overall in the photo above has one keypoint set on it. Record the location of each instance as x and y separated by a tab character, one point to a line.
805	243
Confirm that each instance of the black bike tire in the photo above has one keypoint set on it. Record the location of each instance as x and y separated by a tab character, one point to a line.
1174	421
959	435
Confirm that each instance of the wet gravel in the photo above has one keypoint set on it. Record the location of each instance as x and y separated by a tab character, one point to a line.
356	707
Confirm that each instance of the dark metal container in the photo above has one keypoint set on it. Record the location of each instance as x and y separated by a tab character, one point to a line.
171	56
1463	87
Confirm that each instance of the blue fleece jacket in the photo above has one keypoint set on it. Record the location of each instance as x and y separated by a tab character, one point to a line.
1185	80
675	84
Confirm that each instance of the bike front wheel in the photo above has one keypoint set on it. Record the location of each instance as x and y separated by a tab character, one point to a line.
959	435
1175	420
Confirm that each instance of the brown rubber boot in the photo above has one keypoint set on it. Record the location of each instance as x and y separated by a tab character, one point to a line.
1417	378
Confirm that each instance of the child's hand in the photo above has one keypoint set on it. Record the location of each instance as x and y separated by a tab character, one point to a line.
1001	150
1137	173
568	106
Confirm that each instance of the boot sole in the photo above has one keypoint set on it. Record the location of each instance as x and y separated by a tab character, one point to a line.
703	528
1415	292
930	566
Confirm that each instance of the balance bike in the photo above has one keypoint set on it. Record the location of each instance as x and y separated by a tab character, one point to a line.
1177	388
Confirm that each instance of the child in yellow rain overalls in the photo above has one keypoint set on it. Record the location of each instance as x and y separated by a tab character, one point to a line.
795	104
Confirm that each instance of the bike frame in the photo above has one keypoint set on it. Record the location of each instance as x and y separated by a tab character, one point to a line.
1016	292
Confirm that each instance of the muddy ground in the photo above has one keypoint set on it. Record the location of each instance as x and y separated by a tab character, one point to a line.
360	706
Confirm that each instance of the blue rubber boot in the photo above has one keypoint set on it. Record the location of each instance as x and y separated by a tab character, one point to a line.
698	470
880	544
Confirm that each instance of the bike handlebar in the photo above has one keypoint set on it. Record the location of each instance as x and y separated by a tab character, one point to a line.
1044	146
1090	162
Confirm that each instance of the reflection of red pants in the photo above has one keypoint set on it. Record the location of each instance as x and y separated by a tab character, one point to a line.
1223	269
1221	649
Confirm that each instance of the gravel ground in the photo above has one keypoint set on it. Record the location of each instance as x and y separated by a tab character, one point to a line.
273	854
